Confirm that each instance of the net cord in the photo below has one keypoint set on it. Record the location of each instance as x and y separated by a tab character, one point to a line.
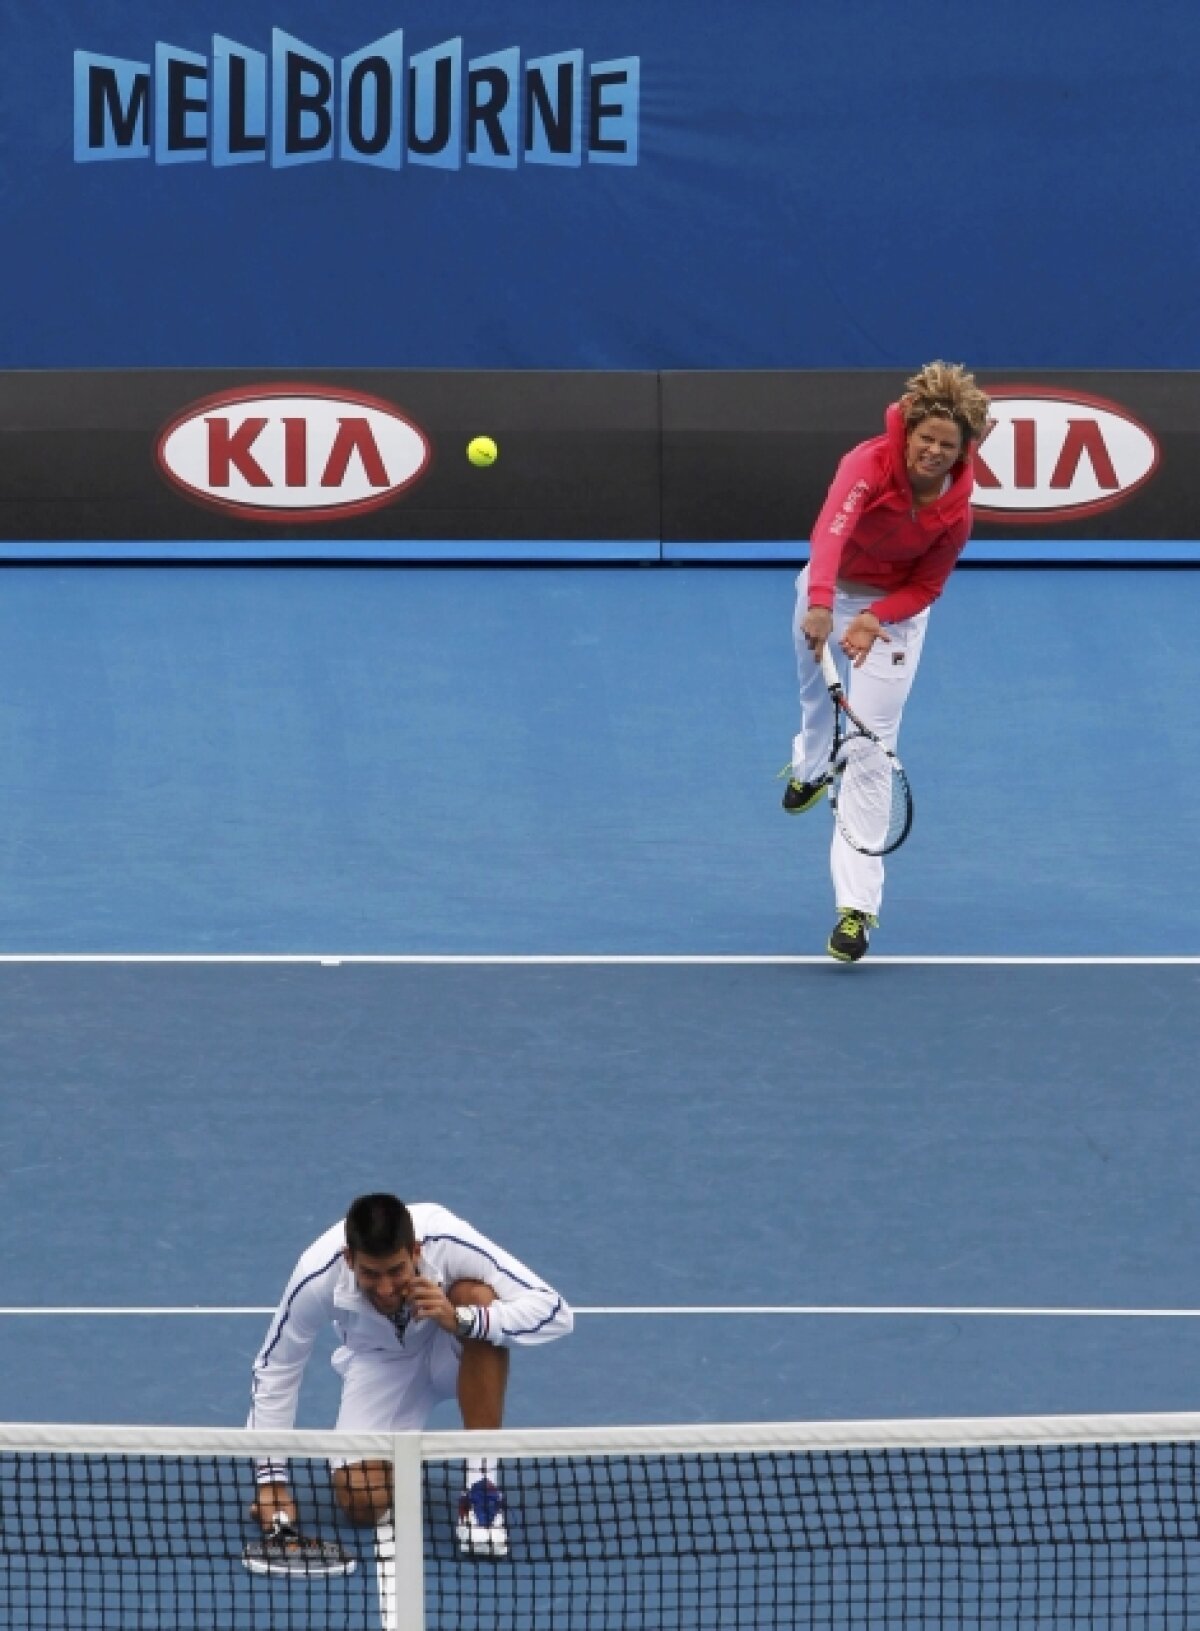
967	1432
964	1432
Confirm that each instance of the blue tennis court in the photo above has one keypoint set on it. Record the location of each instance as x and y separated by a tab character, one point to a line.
558	760
714	1160
647	1137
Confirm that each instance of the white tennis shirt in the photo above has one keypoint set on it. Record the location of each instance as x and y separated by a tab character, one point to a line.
322	1290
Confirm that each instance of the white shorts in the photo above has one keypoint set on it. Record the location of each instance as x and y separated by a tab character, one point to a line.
382	1393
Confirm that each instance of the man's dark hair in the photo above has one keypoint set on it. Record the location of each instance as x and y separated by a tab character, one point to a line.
380	1226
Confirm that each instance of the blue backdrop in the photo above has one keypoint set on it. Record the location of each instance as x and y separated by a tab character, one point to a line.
762	185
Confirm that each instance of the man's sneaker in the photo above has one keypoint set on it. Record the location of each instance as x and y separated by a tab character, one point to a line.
482	1530
850	937
798	796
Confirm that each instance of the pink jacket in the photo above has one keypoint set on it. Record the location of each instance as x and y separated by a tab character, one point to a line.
870	531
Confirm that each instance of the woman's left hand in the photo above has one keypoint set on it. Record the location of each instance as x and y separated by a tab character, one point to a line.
861	635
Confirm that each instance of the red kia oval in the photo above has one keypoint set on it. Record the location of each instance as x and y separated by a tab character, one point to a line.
1056	455
292	453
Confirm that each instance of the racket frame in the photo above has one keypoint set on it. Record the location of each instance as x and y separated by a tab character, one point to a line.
842	712
288	1553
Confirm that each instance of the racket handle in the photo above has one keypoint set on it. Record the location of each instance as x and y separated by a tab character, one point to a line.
829	669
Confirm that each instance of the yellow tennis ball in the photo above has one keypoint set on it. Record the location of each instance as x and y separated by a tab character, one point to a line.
481	450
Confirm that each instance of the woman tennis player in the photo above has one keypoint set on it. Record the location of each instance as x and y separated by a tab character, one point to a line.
894	523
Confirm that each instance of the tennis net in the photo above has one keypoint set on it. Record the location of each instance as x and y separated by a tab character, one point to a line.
1057	1522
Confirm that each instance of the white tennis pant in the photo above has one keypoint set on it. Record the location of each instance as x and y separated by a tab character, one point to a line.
877	692
396	1392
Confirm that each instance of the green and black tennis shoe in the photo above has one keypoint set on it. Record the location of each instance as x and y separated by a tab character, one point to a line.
851	936
799	796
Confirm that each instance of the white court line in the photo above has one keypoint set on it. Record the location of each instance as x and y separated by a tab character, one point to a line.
822	1310
587	959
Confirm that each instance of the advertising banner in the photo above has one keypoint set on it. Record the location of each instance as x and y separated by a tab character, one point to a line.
349	464
1076	466
612	184
573	466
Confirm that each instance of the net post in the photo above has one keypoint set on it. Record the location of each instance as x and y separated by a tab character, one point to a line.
408	1563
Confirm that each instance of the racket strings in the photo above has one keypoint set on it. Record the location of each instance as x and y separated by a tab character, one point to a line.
872	797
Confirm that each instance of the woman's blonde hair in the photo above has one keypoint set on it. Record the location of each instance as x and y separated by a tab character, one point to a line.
945	390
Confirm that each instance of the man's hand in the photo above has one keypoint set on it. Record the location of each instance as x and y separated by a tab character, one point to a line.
817	627
271	1501
429	1302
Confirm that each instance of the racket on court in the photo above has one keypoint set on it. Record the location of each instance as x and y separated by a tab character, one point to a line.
868	790
283	1550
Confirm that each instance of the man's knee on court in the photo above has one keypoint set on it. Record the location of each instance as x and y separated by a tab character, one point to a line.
470	1294
363	1490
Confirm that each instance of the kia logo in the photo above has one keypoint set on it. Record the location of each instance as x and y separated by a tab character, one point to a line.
1057	455
292	453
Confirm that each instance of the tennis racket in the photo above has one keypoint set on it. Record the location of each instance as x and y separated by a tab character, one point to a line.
868	790
284	1550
